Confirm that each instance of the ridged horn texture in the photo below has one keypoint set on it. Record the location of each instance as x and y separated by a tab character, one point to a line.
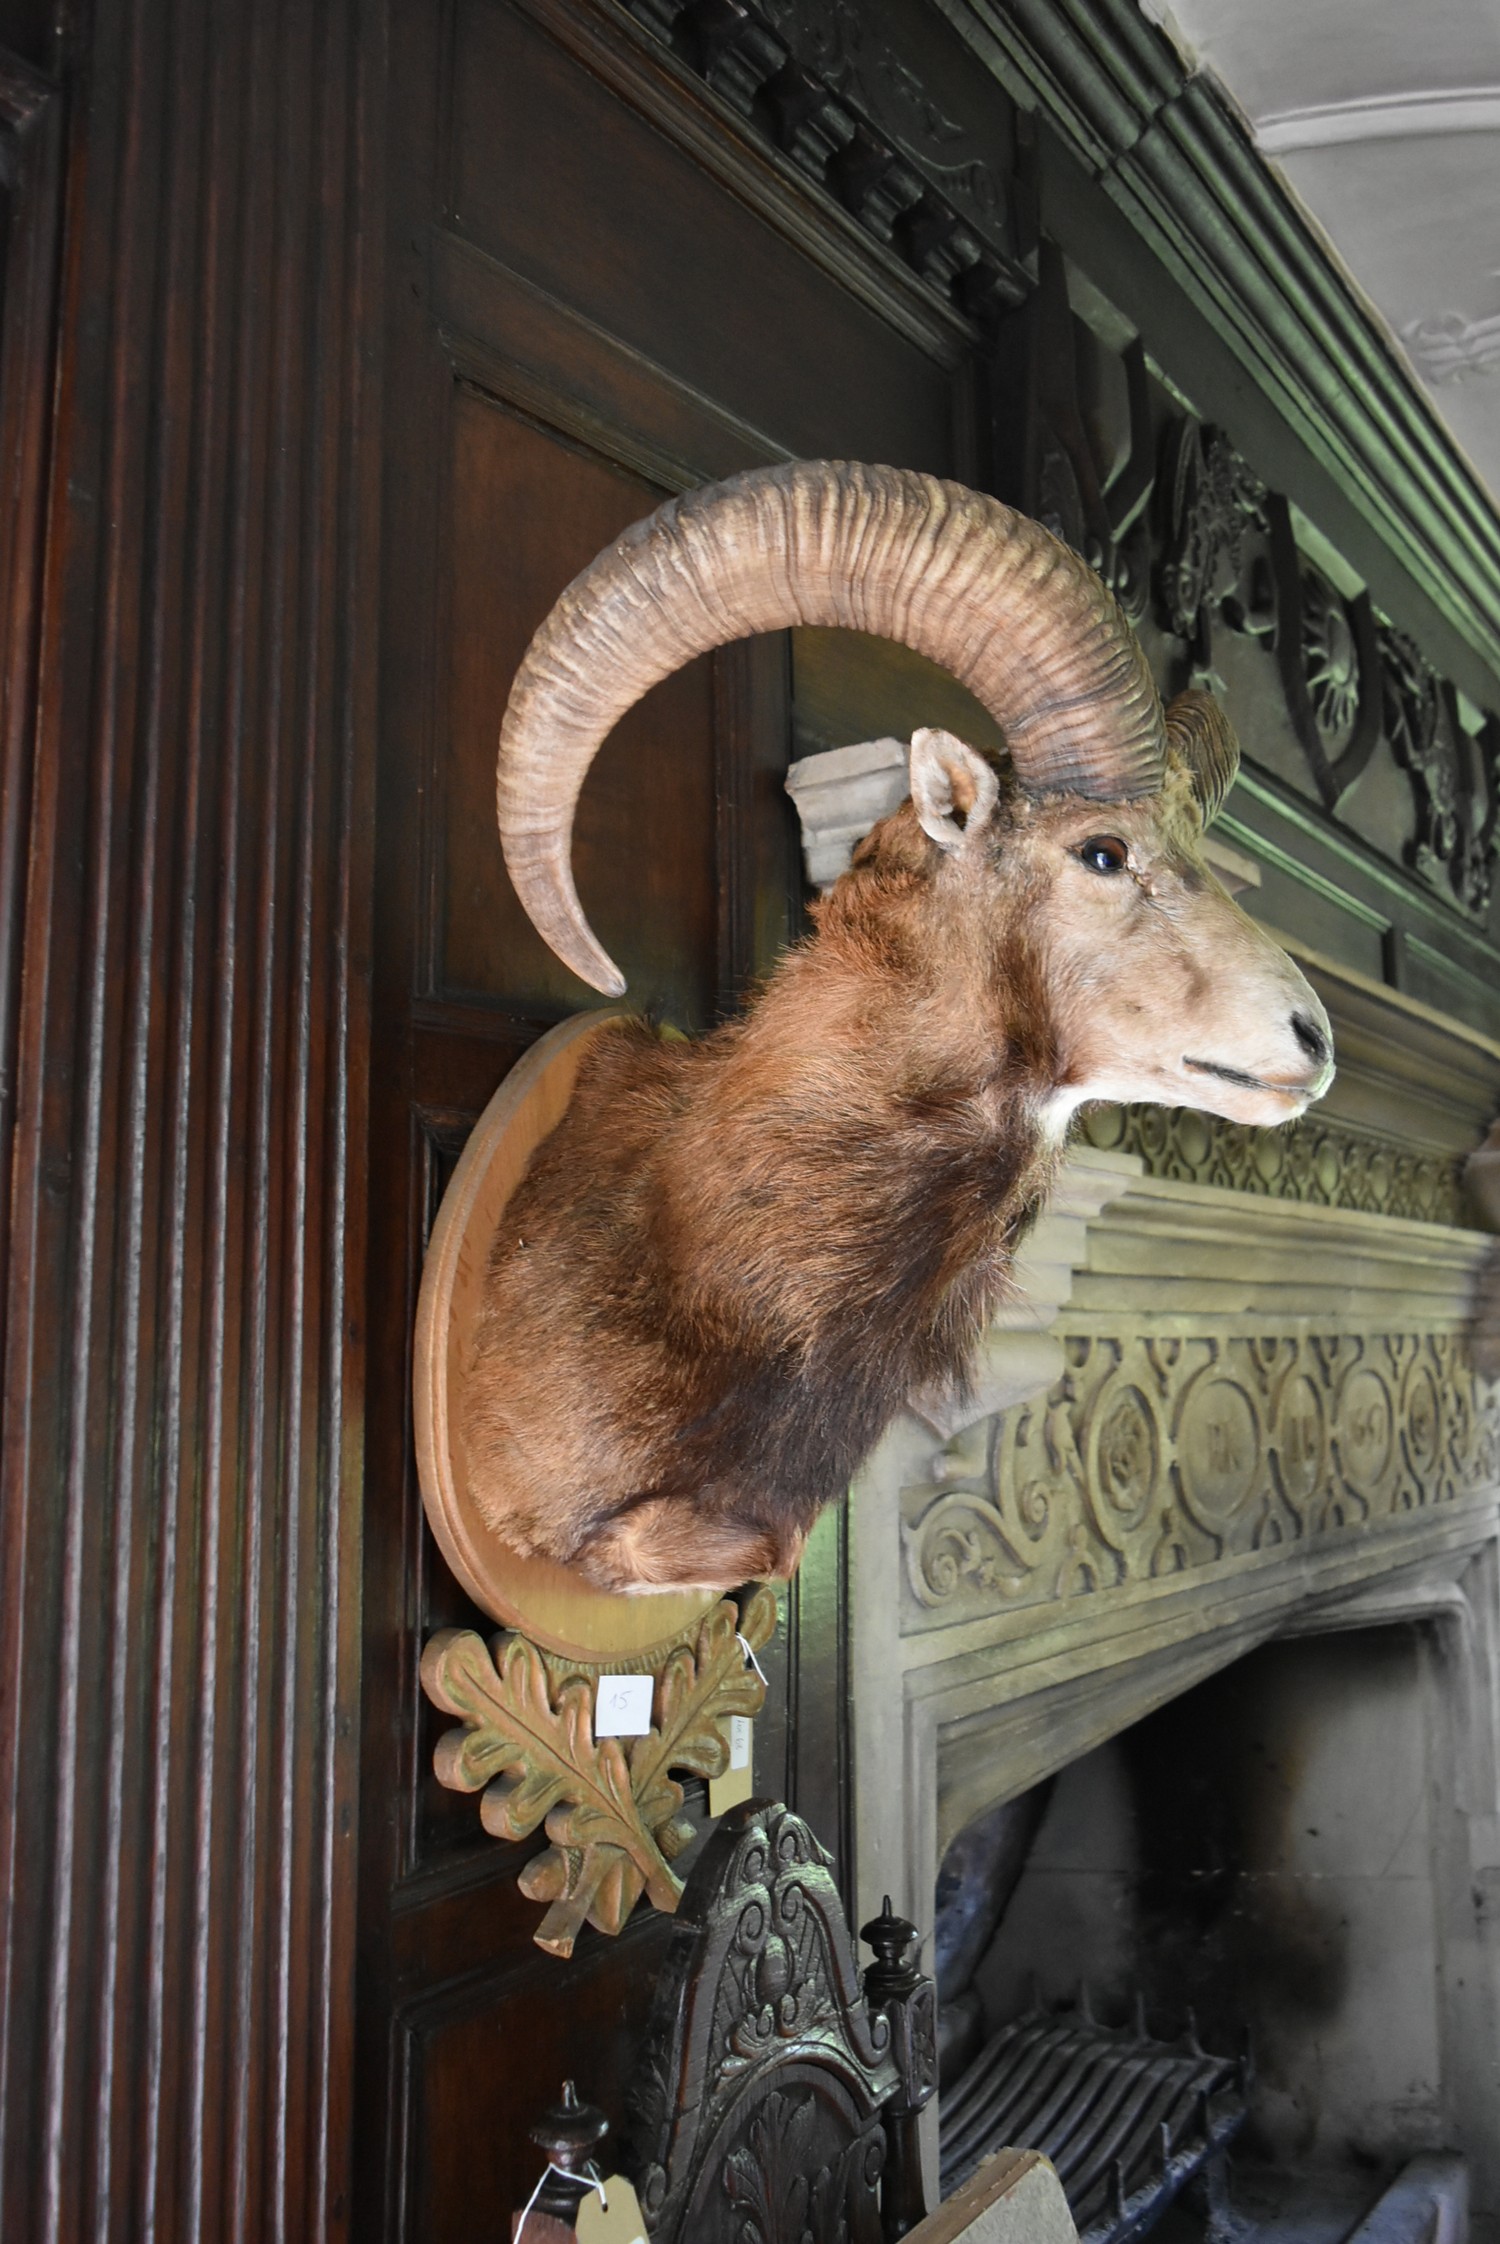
956	576
1201	738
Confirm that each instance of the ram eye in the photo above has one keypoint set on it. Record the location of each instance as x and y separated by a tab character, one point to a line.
1105	853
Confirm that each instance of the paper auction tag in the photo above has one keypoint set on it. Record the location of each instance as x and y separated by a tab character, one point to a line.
622	1706
622	2223
738	1781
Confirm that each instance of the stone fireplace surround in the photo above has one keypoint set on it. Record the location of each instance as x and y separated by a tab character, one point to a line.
1218	1413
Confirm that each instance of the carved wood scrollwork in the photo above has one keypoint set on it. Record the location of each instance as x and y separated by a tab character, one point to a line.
835	95
760	2112
1219	551
1094	497
1216	545
1453	773
1229	552
1330	666
610	1806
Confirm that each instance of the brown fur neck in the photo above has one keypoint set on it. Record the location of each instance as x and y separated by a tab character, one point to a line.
886	1107
766	1241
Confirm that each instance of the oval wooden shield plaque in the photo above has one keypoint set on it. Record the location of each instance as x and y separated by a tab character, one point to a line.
545	1601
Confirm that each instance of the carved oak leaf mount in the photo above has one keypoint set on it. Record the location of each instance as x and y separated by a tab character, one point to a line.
610	1806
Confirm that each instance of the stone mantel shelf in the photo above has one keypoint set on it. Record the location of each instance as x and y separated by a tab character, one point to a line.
1186	1258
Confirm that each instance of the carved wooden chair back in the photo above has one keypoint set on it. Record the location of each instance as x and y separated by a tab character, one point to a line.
776	2092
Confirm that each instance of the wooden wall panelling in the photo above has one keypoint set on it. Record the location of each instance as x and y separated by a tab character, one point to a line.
695	237
528	512
182	1376
740	155
31	152
600	293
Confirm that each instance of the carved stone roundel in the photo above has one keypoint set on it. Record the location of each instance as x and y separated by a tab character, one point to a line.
1156	1455
1219	1446
1124	1451
1367	1431
1422	1421
1301	1442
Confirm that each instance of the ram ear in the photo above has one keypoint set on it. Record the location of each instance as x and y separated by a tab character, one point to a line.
1201	739
953	789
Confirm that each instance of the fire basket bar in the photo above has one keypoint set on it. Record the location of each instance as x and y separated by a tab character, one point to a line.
1126	2119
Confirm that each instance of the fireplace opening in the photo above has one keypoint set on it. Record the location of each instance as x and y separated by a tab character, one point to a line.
1265	1879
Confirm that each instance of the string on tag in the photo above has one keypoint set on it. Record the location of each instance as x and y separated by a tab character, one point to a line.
750	1659
590	2175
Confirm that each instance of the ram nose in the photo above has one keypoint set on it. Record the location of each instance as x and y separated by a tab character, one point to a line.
1315	1039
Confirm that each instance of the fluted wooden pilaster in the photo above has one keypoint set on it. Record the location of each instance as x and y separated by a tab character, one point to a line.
178	1594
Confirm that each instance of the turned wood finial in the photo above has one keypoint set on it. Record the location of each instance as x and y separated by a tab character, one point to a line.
897	1989
894	1971
570	2136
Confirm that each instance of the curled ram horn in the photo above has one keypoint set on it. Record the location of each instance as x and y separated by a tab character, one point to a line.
1201	739
986	593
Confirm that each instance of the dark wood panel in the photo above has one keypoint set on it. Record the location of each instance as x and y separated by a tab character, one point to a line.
528	512
178	1579
847	686
31	152
582	197
514	339
30	30
473	2029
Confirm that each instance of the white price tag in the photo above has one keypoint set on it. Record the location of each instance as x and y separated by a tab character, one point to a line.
622	1706
622	2223
737	1783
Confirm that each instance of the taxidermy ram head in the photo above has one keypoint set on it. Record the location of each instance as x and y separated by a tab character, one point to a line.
734	1260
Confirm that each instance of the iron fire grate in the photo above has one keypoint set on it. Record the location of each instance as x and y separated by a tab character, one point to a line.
1124	2118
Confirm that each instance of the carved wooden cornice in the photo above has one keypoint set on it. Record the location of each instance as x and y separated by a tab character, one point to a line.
1230	561
1176	161
836	94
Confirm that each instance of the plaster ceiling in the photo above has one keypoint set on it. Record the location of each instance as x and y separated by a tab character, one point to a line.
1385	120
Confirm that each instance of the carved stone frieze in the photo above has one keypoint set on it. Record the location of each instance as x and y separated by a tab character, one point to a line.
1315	1160
1155	1456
